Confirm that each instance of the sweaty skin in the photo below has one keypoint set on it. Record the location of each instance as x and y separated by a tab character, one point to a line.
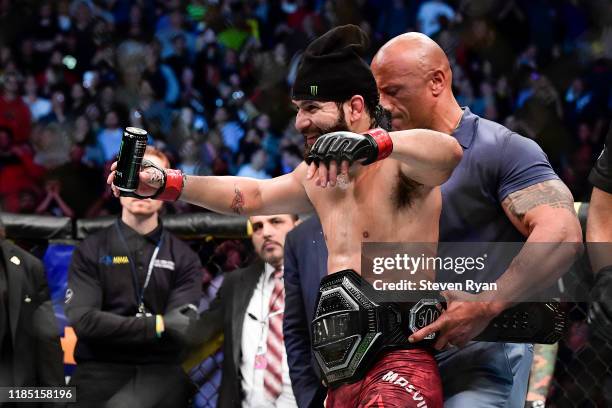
366	210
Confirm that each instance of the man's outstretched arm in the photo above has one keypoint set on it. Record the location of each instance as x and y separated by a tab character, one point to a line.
231	195
425	156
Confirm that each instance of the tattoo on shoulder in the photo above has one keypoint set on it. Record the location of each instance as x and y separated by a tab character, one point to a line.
552	193
238	201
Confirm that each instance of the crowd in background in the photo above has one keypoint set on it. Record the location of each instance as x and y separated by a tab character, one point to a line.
210	81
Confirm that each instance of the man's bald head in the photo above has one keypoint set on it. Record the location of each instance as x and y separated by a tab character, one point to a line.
414	80
414	50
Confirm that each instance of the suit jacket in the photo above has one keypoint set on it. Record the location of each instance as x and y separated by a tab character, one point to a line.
37	355
304	266
226	315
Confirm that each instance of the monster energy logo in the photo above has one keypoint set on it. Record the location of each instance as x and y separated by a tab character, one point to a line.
314	90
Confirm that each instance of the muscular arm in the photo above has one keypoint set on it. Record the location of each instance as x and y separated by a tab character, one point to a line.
427	157
599	229
246	196
544	213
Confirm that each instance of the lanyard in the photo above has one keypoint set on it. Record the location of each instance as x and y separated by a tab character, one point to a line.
139	294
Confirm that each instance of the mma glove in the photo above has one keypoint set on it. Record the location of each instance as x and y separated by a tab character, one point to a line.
371	146
172	184
600	309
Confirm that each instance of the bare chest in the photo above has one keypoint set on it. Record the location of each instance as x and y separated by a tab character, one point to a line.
368	207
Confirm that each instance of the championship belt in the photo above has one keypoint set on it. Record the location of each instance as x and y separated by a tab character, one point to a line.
352	326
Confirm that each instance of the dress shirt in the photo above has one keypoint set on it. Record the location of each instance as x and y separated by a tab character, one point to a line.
254	335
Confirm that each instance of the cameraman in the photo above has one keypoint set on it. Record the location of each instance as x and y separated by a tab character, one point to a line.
132	287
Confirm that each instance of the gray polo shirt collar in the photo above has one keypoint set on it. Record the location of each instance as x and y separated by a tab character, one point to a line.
466	130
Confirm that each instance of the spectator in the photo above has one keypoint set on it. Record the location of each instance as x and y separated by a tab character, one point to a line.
18	171
81	33
53	204
154	109
429	14
56	74
178	60
14	113
174	25
52	146
44	30
78	100
255	168
190	159
230	130
160	75
110	136
39	106
291	158
58	109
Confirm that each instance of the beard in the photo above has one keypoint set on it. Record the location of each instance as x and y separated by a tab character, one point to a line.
338	126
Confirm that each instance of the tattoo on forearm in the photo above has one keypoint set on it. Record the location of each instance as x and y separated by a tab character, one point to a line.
238	201
552	193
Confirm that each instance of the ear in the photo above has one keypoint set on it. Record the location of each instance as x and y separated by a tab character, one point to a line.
438	82
356	108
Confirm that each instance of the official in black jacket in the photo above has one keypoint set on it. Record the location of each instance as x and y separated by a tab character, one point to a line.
131	288
30	352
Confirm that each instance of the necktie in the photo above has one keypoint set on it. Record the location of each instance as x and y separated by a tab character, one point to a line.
273	378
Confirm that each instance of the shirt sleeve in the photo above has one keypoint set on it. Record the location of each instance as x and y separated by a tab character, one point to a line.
187	286
83	304
210	322
522	164
601	174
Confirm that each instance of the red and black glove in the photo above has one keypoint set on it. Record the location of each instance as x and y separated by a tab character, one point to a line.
172	184
371	146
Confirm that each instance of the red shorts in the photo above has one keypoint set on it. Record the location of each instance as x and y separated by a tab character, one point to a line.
400	378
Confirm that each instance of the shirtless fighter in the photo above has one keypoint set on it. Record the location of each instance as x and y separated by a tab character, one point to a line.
366	185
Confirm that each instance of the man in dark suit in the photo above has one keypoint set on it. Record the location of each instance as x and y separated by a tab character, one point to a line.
30	351
248	310
305	250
